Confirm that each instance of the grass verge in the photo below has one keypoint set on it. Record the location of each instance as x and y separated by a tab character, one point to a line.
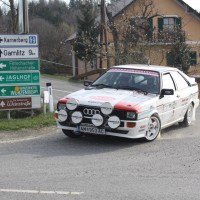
37	121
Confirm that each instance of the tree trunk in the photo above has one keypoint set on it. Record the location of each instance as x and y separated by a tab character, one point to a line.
115	37
13	16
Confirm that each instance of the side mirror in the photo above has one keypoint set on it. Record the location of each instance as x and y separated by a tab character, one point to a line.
87	83
166	92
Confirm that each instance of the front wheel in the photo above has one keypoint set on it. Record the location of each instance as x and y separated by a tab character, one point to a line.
71	134
154	127
188	116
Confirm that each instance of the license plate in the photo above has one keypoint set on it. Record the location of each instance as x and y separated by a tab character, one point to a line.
92	129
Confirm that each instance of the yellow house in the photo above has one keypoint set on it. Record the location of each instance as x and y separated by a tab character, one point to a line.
154	39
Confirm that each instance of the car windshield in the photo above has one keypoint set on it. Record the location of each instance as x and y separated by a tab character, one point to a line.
130	79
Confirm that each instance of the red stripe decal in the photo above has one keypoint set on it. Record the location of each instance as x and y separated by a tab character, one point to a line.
122	105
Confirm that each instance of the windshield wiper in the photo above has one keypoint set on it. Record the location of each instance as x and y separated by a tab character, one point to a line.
102	85
133	88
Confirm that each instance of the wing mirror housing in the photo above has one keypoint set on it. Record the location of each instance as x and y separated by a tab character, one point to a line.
165	92
87	83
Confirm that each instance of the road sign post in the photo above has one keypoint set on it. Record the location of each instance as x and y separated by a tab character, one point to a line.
19	40
20	77
19	72
19	65
18	91
18	52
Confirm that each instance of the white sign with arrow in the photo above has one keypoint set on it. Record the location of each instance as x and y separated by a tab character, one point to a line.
1	78
18	52
3	90
2	65
19	40
2	104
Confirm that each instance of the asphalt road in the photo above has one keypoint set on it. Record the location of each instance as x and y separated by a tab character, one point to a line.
60	87
103	168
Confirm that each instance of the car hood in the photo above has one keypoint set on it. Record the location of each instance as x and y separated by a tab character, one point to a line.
119	99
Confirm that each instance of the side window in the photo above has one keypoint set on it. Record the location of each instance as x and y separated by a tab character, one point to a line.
180	81
168	82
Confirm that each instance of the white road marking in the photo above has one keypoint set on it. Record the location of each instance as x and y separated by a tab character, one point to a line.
41	192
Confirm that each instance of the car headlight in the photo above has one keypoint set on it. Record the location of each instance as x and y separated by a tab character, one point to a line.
72	104
131	115
106	108
61	106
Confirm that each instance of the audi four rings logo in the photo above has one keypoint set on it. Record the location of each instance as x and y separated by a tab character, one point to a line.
88	111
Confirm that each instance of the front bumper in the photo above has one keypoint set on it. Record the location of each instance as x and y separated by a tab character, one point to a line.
138	131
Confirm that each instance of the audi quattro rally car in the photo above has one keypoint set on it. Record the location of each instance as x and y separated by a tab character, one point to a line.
131	101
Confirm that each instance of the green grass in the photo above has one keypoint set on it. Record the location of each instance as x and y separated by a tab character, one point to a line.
20	119
37	121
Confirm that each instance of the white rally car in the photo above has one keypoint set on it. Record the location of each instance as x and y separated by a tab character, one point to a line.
131	101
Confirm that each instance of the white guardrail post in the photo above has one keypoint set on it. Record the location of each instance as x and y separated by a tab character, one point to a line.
49	88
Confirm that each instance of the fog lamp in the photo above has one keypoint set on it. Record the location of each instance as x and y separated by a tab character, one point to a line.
97	120
114	122
106	108
77	117
62	115
72	104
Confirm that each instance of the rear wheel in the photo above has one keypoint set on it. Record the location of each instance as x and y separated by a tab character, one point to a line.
154	127
188	116
71	134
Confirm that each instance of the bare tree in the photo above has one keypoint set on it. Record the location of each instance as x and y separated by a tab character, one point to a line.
52	42
132	33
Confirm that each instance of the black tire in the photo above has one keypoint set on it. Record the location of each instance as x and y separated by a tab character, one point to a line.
154	128
188	116
71	134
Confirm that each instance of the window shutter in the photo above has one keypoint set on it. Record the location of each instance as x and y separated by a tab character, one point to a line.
179	22
193	58
150	28
160	24
170	59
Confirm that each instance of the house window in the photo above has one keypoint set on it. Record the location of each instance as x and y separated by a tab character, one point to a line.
168	28
168	23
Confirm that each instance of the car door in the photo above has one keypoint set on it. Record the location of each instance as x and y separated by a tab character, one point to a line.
167	104
183	95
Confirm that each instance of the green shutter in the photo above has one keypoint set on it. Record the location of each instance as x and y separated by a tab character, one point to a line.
170	59
193	58
150	28
160	24
179	22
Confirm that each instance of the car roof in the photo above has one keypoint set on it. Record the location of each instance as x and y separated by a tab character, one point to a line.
157	68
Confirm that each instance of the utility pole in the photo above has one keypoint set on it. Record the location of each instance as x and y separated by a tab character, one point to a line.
23	21
104	33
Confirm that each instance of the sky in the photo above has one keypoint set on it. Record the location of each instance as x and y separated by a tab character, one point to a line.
195	4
